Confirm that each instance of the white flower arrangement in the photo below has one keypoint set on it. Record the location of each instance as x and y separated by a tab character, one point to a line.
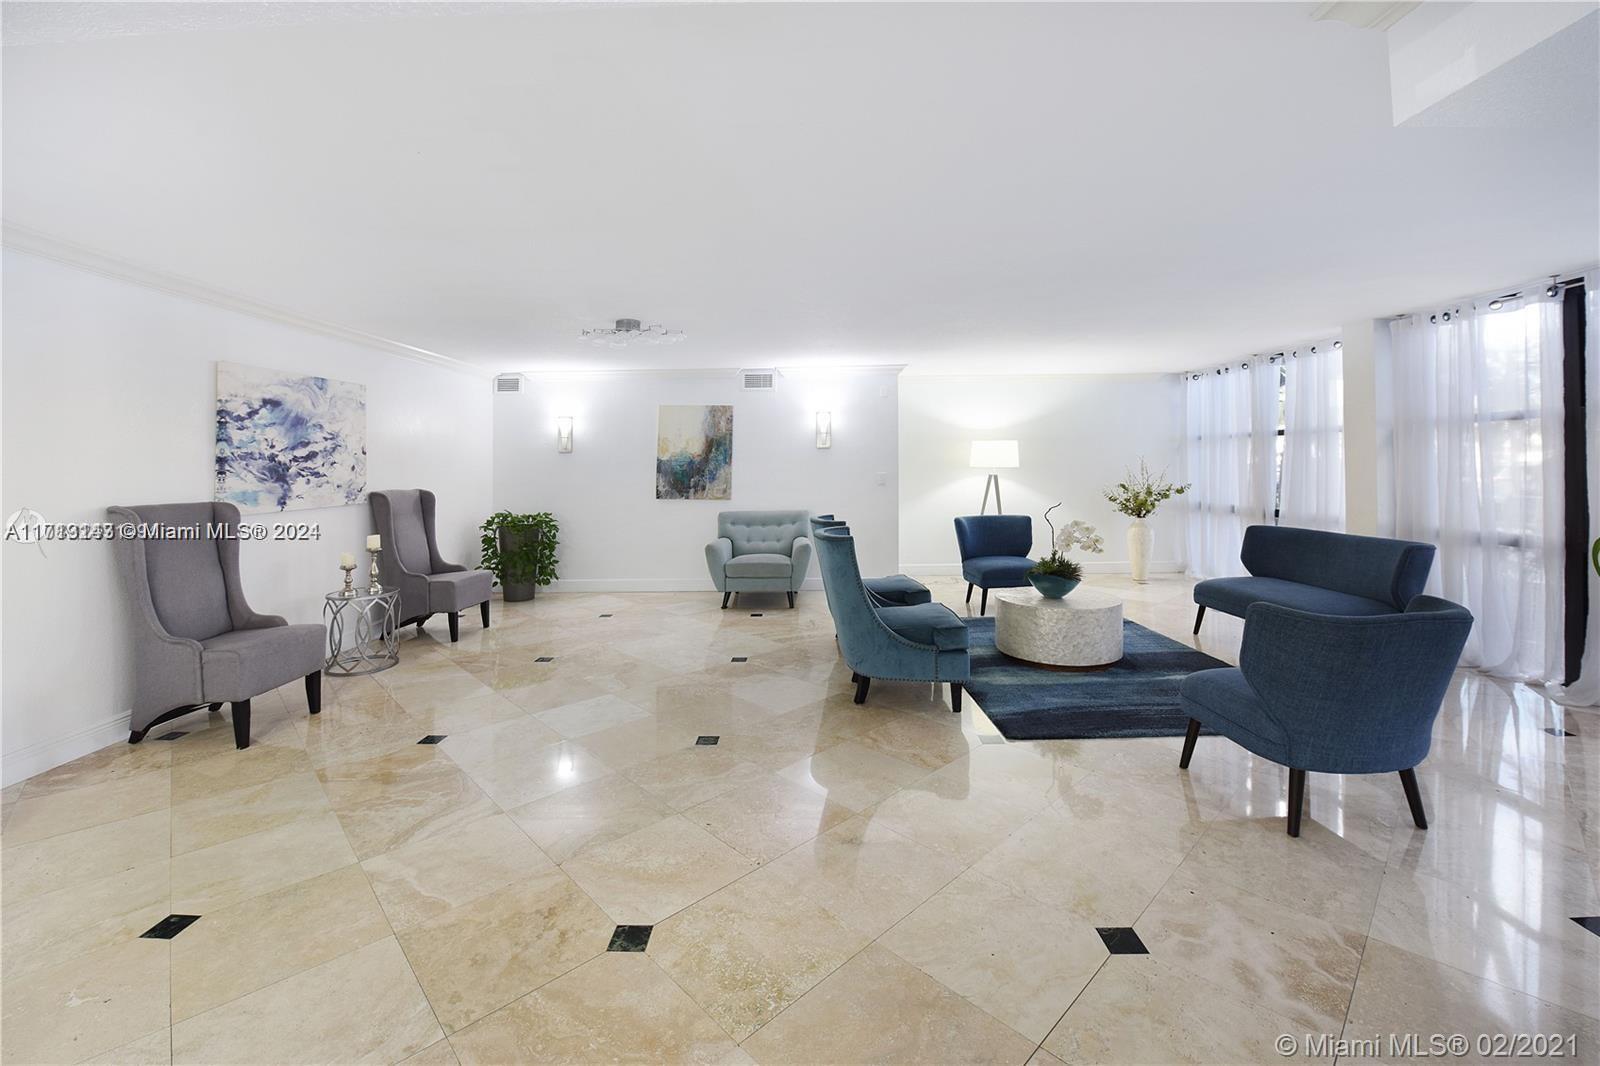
1080	535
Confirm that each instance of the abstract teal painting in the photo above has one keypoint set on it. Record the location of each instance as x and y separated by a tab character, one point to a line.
287	441
694	452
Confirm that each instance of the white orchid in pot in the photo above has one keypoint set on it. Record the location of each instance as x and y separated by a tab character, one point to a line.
1055	575
1138	497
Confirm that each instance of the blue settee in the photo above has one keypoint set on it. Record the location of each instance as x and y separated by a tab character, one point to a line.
1321	572
917	642
994	552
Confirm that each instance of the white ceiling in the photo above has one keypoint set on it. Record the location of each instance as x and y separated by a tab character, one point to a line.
1039	188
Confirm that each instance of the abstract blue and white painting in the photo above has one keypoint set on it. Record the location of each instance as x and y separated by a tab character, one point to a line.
694	452
285	441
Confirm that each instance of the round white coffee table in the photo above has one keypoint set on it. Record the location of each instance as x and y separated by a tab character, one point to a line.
1084	628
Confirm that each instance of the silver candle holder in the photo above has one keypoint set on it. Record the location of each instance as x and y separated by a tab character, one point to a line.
349	590
374	582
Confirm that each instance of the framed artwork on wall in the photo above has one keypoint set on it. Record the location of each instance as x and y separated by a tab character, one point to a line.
287	441
694	452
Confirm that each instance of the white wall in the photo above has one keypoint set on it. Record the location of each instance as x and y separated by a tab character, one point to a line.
108	398
616	536
1077	435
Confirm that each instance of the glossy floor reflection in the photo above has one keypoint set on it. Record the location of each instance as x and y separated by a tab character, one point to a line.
823	883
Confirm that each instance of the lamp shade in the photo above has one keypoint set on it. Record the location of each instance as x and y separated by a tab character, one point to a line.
994	454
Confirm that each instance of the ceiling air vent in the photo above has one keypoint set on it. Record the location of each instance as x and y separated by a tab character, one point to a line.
758	380
508	383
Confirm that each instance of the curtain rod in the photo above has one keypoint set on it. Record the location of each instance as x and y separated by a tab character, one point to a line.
1493	302
1276	357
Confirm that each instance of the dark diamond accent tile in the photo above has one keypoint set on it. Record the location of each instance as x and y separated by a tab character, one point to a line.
169	927
545	659
1122	940
756	614
630	938
740	659
706	741
1591	923
433	738
605	616
173	735
1559	732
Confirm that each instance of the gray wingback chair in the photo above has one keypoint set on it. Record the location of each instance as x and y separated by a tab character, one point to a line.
410	561
759	551
197	643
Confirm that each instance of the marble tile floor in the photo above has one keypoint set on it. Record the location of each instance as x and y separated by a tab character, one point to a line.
571	875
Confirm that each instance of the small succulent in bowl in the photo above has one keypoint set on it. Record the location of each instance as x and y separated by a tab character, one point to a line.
1055	575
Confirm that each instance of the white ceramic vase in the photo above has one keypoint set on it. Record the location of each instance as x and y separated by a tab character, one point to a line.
1140	539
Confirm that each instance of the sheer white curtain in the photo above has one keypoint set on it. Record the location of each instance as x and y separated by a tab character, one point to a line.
1478	472
1231	430
1312	490
1585	689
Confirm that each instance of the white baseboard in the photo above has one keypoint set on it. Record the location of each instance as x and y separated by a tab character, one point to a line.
24	763
1090	566
652	584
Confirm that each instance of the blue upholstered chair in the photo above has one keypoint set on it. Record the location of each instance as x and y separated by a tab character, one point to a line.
1333	694
759	551
994	552
896	590
919	642
1315	570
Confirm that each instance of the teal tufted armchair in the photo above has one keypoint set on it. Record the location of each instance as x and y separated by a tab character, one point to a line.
760	551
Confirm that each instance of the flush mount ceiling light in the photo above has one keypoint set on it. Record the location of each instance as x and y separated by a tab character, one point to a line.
630	331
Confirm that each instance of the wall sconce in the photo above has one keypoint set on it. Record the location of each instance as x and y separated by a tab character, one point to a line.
824	429
564	433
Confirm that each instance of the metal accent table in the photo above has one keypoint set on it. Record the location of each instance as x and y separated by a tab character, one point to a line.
1082	630
375	617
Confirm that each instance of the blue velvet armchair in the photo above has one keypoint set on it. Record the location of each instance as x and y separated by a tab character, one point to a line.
994	552
1335	694
759	551
896	590
918	642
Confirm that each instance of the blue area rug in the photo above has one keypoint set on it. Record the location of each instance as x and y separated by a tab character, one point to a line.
1137	696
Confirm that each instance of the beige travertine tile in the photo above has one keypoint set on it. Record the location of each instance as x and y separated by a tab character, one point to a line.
363	1006
641	878
748	951
57	926
878	1008
249	945
478	957
525	736
436	1054
1139	1010
394	799
685	778
55	813
423	879
466	715
116	763
776	694
930	739
86	1005
854	776
867	876
1295	965
432	688
579	719
618	1007
249	866
1019	960
152	1050
229	771
199	823
639	741
70	859
565	823
1404	993
945	814
517	779
764	819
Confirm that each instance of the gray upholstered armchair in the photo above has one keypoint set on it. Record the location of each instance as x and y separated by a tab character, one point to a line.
759	551
410	561
196	642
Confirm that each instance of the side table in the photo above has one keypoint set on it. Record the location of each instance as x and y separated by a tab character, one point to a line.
371	621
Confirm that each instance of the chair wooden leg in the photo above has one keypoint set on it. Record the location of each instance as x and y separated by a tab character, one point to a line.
455	626
314	692
969	593
726	596
1297	799
1198	615
791	601
955	696
983	603
862	684
483	609
1408	781
854	677
1189	738
241	724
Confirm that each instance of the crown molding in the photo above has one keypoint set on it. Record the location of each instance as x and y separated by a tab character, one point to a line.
33	242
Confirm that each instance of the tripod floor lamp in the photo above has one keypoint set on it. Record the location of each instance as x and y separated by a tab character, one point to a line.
992	455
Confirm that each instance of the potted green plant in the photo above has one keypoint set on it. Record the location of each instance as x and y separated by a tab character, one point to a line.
1055	575
521	550
1138	497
